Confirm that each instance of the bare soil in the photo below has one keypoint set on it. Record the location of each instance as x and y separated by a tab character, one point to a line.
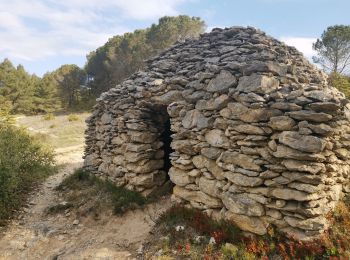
34	234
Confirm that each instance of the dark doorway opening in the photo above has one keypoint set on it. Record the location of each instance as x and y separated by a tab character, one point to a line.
167	139
161	122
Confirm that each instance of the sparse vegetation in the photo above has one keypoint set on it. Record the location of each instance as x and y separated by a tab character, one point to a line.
87	194
190	233
73	117
24	162
59	208
83	187
48	117
57	132
340	82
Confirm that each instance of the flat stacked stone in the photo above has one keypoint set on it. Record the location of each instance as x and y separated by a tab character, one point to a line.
258	136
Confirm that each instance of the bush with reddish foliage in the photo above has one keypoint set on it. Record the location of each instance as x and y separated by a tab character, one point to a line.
333	244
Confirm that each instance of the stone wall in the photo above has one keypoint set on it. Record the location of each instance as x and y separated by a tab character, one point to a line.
258	136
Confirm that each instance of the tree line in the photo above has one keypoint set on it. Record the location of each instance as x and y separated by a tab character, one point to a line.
333	55
72	88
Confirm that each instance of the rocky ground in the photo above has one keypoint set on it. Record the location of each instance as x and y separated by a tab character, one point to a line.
34	234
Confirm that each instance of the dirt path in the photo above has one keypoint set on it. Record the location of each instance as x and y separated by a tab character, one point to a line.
37	235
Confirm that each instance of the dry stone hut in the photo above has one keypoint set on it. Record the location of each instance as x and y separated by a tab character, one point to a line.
242	124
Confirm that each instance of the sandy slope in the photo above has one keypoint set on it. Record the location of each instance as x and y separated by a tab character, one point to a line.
36	235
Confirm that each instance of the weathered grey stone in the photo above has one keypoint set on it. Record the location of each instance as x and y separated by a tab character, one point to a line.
274	213
142	137
197	196
135	157
242	204
260	66
259	198
106	118
303	177
257	83
310	116
132	147
147	180
179	177
193	96
246	172
342	153
241	160
281	123
283	151
249	98
317	223
286	106
272	145
311	144
251	224
222	82
209	186
145	166
211	152
269	174
234	110
249	129
195	118
319	95
321	129
259	115
203	162
291	194
213	104
304	166
327	107
304	187
183	146
91	159
169	97
217	138
243	180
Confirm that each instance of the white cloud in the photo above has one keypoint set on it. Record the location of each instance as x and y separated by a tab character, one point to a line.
9	21
303	44
148	9
37	29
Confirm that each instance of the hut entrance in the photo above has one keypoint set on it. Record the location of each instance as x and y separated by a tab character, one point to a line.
165	137
160	120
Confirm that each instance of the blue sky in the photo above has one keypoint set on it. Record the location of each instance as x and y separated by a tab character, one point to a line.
44	34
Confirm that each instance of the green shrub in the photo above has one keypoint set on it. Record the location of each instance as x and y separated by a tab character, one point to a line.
73	117
23	163
340	82
5	113
48	117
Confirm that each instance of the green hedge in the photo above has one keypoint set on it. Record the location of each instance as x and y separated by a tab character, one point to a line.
24	162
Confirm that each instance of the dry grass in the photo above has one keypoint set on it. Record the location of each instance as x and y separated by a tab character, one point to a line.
60	131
